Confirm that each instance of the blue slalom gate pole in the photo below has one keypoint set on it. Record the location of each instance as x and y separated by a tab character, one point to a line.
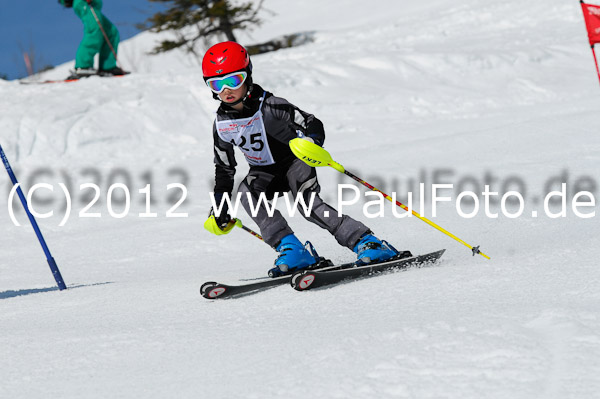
51	261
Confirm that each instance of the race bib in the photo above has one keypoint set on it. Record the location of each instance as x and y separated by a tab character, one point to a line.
249	135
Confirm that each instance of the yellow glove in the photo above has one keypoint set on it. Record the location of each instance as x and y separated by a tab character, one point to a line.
221	225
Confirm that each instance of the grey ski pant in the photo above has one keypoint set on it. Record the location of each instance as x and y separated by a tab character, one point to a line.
300	179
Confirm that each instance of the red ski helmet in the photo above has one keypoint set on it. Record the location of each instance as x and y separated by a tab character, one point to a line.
224	58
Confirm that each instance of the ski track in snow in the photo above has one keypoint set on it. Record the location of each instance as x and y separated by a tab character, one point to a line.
404	89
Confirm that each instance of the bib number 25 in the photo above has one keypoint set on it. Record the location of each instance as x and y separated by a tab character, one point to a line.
256	142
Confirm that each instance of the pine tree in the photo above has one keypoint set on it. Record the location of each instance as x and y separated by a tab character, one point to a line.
193	20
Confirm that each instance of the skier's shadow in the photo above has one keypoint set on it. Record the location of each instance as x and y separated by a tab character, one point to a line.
13	294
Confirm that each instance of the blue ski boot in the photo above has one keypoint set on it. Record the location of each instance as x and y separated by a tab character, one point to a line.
293	256
370	249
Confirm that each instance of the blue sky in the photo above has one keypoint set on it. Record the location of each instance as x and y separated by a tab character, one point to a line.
55	31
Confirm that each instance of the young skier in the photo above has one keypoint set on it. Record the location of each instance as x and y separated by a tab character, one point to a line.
93	41
261	126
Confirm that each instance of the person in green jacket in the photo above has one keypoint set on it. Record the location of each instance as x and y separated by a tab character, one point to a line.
93	41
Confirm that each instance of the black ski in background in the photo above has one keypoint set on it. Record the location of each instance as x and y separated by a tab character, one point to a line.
307	279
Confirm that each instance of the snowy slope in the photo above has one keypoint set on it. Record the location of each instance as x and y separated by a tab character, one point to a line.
470	92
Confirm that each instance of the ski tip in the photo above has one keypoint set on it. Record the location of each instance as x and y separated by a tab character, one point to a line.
302	281
213	292
206	287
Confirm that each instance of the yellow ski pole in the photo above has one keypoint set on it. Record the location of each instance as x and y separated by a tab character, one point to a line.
317	156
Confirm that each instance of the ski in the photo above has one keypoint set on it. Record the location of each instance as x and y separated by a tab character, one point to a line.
214	290
23	82
307	279
42	82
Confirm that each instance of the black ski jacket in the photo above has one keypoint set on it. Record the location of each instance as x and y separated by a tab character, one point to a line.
282	121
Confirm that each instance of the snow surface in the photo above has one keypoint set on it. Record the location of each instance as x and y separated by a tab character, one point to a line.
406	90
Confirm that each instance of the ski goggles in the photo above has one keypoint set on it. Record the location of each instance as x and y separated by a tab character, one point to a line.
232	81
